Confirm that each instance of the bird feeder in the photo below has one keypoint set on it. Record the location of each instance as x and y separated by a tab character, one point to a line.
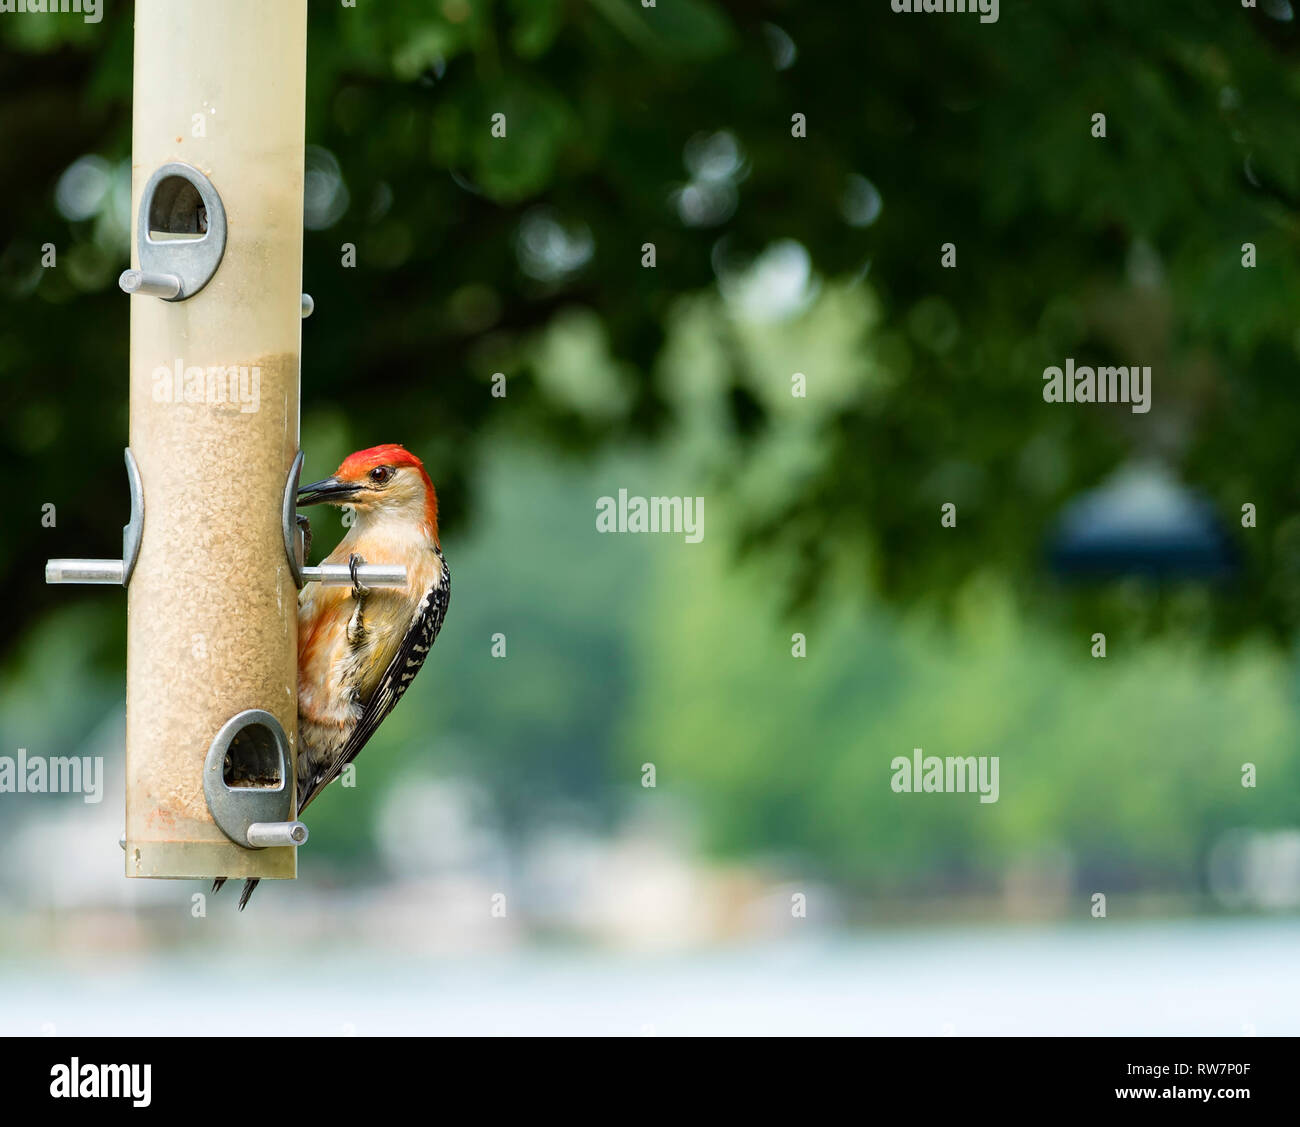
212	559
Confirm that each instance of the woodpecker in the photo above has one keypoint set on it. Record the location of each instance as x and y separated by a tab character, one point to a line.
360	648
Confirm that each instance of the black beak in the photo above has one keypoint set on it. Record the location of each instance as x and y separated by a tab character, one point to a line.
328	491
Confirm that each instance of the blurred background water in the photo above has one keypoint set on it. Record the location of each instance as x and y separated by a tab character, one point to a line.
1174	978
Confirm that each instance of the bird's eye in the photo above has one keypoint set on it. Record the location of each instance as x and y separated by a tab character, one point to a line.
381	474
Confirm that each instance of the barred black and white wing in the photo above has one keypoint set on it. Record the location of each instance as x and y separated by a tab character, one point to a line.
401	671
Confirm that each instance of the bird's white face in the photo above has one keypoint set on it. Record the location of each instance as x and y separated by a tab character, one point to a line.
377	493
396	489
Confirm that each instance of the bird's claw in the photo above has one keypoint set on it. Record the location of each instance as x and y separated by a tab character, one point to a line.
359	589
304	526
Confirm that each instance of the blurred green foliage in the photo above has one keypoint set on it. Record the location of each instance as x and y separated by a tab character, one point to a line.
671	125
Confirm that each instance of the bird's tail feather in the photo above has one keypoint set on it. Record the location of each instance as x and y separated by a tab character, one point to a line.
249	885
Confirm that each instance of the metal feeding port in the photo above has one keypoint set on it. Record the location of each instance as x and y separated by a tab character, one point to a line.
246	782
180	234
